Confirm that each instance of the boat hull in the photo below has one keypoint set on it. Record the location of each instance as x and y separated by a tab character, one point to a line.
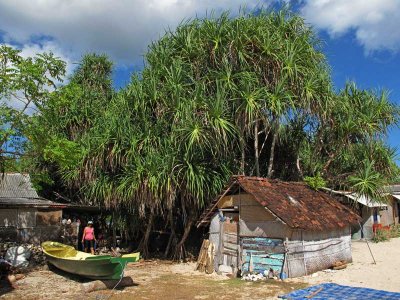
68	259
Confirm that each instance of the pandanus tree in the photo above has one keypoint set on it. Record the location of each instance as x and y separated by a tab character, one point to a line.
348	145
218	96
208	89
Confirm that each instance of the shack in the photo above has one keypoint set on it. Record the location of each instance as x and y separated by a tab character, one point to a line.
394	191
374	214
259	224
24	216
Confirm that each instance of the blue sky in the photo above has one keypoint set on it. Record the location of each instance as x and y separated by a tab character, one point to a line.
378	70
362	39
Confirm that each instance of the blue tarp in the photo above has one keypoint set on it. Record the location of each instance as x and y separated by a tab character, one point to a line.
332	291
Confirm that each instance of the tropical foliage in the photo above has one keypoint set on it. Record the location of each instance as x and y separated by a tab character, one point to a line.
218	96
25	85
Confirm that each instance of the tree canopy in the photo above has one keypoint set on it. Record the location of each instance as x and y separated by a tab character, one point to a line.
25	85
218	96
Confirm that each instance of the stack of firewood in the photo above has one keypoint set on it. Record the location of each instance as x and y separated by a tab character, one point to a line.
205	261
338	265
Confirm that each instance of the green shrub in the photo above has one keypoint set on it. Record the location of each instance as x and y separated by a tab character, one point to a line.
315	182
395	231
381	235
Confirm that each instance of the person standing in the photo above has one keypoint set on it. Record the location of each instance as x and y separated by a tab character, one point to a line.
88	237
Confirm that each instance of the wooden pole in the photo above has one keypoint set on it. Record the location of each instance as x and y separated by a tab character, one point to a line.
367	243
256	152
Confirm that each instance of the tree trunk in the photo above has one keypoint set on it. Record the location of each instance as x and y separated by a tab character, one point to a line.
271	155
114	231
172	238
179	251
144	244
299	170
256	152
242	161
332	156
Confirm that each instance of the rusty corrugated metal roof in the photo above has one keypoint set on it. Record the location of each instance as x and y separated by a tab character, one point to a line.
16	190
294	203
16	185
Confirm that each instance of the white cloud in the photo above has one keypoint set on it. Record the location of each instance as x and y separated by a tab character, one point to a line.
376	23
31	49
122	29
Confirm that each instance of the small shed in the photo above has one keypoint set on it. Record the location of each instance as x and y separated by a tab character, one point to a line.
259	224
394	191
24	216
373	214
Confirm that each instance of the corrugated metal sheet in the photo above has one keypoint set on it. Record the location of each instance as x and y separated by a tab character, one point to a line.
34	202
16	185
395	188
358	198
16	190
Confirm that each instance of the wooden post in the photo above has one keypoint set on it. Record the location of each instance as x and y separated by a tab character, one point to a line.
256	152
367	243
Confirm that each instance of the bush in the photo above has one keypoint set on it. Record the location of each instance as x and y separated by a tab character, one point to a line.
395	231
317	182
382	235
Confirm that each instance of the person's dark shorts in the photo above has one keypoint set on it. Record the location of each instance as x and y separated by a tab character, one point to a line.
89	243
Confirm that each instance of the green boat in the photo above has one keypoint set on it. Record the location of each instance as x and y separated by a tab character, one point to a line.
70	260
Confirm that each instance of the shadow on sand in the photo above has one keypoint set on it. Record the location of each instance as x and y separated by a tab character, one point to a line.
110	284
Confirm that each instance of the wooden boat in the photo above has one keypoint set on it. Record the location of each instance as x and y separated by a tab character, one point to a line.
68	259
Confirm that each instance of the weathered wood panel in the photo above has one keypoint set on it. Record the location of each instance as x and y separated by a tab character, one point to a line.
231	227
255	213
52	217
263	244
387	214
271	229
229	246
26	218
8	218
215	237
234	200
258	254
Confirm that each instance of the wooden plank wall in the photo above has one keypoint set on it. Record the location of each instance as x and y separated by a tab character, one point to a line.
234	200
8	218
387	215
230	246
29	225
26	217
256	221
46	217
214	237
271	229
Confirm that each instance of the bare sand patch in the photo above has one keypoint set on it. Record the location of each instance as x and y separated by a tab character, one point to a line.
384	275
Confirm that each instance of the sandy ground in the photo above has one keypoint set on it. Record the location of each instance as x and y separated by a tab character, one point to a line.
384	275
166	280
153	280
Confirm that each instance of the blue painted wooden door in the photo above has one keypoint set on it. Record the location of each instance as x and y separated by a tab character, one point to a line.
265	254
